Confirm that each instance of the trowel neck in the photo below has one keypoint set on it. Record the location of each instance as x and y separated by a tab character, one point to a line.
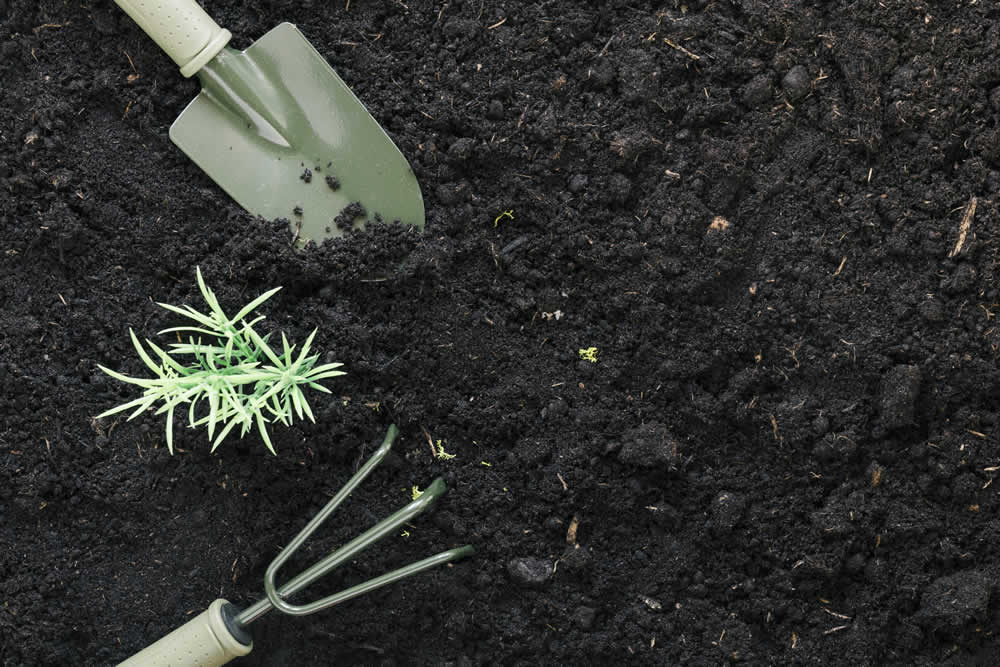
241	86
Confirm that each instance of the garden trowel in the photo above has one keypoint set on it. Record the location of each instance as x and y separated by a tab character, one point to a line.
277	129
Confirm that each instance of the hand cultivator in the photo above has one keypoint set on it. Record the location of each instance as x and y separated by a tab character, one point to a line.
220	633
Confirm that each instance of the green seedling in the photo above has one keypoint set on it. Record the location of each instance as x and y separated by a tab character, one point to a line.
588	354
505	214
236	375
440	453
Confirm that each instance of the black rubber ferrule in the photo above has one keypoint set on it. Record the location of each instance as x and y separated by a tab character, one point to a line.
239	633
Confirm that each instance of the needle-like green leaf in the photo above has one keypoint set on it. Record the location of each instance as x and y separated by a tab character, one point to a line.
263	433
189	348
253	304
225	431
302	360
193	314
262	344
209	296
297	401
146	404
213	411
142	382
287	356
167	359
170	431
142	354
305	405
125	406
196	330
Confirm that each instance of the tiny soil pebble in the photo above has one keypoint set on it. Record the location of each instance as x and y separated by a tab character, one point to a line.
333	183
307	176
297	210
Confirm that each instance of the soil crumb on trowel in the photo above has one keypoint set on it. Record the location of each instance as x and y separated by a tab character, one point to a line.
348	215
333	183
307	175
297	210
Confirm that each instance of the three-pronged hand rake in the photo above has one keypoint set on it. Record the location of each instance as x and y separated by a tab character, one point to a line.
220	634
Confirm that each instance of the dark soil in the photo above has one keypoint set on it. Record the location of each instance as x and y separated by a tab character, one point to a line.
783	453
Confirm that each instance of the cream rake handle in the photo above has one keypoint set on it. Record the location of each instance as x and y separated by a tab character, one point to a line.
204	641
181	28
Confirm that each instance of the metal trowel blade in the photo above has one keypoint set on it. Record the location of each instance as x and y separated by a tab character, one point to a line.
285	137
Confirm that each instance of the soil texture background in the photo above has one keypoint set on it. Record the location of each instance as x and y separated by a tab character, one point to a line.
774	221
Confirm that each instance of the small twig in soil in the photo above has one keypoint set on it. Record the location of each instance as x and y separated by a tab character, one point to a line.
841	267
964	226
430	442
38	29
135	73
606	45
680	48
130	63
840	616
564	484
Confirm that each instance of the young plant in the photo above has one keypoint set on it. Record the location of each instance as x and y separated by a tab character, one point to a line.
236	376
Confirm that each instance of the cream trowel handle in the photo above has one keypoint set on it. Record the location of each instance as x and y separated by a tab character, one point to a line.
207	640
181	28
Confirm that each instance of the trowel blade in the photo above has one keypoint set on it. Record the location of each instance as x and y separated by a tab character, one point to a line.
314	155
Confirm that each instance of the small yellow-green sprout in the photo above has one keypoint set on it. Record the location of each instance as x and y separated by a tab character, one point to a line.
505	214
415	492
488	465
440	453
588	354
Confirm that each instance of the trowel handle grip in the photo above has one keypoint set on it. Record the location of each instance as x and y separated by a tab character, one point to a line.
204	641
181	28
